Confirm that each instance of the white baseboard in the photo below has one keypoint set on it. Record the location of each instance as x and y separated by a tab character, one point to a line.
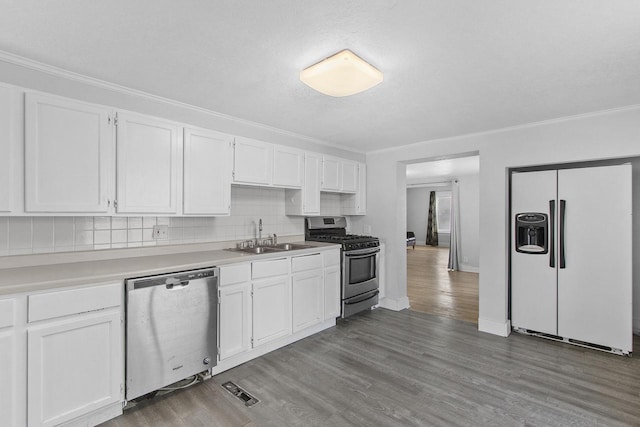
636	325
496	328
394	304
469	268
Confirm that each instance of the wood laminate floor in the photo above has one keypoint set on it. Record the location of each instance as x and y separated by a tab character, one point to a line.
433	289
385	368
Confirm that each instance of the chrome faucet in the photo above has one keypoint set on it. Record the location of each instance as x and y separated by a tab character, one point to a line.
260	231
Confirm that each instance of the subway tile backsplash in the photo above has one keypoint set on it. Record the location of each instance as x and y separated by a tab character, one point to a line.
32	235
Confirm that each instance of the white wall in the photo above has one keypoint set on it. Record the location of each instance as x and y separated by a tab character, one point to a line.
605	135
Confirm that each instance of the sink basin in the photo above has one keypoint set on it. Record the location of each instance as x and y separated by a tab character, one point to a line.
276	248
290	246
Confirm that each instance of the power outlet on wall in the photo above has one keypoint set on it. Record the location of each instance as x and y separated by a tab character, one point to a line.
465	259
160	232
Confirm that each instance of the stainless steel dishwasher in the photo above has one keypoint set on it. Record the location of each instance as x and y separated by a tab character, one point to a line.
171	328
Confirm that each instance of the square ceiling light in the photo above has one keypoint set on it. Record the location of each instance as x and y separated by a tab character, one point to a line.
342	74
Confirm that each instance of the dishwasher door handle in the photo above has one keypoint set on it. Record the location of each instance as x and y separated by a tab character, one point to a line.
177	284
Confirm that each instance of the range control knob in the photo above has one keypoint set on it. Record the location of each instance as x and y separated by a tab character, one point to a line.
206	361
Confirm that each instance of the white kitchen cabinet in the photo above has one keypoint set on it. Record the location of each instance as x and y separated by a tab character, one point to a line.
361	193
306	291
271	300
11	152
75	353
306	201
332	286
331	174
68	155
207	172
349	176
148	164
235	310
252	162
12	363
288	167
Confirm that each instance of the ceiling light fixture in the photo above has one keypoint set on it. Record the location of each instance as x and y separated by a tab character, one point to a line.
342	74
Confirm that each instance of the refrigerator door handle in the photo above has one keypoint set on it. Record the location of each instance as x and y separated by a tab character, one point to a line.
552	232
563	206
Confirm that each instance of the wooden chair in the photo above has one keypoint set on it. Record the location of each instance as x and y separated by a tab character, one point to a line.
411	239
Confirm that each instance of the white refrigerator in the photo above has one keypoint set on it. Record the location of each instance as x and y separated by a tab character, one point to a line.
571	255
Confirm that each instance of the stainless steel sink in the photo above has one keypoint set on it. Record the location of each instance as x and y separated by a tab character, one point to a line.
280	247
291	246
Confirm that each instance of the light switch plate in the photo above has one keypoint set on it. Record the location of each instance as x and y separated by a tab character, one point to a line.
160	232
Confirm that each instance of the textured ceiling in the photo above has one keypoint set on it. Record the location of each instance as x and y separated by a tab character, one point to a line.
451	66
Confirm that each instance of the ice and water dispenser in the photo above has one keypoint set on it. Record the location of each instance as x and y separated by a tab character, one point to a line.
531	233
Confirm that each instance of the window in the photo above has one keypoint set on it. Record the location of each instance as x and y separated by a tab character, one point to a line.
443	211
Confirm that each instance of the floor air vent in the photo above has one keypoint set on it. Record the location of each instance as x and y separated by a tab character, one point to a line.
240	394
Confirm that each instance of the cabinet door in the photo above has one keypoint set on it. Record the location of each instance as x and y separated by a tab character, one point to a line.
235	319
311	190
207	172
252	161
271	309
349	176
331	292
68	148
331	174
306	296
288	167
10	148
74	367
8	384
361	194
595	283
147	164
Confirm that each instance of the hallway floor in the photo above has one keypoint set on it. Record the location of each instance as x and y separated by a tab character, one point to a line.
433	289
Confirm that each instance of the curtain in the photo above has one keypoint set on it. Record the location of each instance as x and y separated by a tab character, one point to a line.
454	245
432	221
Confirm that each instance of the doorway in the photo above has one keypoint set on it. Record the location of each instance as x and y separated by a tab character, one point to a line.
443	210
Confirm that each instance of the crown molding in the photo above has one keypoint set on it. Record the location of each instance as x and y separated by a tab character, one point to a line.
21	61
512	128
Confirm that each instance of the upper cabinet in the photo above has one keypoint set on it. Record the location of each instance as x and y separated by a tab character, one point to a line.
288	167
207	172
306	201
361	193
252	162
331	174
68	154
11	152
148	162
349	176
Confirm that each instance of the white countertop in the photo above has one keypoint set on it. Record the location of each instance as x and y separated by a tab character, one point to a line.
43	277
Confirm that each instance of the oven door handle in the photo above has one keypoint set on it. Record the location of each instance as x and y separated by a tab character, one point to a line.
361	255
361	298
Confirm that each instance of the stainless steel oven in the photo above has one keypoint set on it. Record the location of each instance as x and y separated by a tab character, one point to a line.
359	280
359	261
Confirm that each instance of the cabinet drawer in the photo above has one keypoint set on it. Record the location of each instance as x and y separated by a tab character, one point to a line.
331	258
74	301
306	262
236	273
7	307
274	267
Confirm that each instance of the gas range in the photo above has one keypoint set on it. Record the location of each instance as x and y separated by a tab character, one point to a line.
359	263
349	242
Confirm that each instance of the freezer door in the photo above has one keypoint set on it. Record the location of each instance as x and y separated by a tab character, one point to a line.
533	276
594	287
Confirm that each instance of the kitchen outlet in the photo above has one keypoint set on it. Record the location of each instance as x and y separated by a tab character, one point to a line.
160	232
465	259
367	229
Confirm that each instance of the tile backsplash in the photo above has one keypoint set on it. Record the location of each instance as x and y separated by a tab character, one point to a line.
32	235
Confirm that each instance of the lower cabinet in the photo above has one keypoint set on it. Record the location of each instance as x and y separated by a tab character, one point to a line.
263	301
332	285
12	370
235	319
271	309
74	367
